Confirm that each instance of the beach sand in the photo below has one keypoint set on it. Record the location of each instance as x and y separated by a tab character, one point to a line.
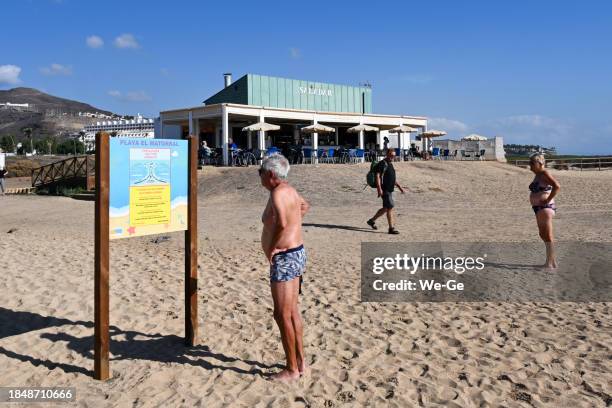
375	354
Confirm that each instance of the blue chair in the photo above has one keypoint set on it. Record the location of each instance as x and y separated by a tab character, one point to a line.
307	154
271	150
330	154
359	155
446	154
435	154
398	154
351	155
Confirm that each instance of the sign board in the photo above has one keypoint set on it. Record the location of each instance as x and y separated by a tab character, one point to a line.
148	186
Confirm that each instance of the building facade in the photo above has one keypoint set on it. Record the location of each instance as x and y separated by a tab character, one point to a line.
137	127
292	105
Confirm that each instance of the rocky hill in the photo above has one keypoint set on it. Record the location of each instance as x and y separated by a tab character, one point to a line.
46	114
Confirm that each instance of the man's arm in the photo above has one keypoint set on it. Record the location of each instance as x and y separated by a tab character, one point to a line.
304	206
378	187
400	187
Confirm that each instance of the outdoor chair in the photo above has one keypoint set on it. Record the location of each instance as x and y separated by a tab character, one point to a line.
398	154
359	155
307	154
480	155
465	156
446	154
435	154
352	155
330	155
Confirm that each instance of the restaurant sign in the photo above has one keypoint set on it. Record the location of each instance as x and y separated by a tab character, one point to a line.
315	91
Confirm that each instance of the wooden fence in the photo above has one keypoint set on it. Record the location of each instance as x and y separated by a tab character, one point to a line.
77	170
578	163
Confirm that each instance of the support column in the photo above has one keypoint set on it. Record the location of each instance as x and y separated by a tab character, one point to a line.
400	141
296	134
249	141
225	134
190	122
337	138
196	131
261	135
315	144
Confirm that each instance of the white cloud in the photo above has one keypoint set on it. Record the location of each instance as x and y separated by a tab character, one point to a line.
448	125
295	53
131	96
94	41
538	129
9	74
126	41
56	69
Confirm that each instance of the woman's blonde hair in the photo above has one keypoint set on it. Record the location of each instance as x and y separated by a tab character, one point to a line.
538	157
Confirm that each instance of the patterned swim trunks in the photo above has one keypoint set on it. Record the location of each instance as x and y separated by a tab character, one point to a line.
288	265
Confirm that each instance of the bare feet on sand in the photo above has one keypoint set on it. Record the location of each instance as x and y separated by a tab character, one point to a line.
285	376
304	369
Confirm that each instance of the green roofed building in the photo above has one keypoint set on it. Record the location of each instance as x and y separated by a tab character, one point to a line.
293	105
274	92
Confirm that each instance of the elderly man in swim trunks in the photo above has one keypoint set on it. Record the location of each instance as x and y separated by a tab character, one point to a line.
281	241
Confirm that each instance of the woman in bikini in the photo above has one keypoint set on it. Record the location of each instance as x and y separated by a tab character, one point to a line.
543	189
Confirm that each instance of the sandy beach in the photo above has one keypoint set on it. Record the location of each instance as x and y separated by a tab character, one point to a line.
362	354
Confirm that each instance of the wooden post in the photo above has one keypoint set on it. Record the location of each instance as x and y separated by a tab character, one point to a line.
191	248
101	302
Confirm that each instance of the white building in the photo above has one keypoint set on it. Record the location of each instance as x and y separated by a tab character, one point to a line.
137	127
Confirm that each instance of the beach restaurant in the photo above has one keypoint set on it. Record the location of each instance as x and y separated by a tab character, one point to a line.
261	112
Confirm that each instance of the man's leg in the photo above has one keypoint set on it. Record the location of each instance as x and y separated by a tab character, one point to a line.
298	328
390	217
379	214
284	295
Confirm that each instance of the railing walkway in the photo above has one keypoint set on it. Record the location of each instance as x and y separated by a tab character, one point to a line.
578	163
74	171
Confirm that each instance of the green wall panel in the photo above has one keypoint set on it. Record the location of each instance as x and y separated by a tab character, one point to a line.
277	92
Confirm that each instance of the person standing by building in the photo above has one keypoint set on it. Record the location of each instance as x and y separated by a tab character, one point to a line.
3	173
282	244
385	185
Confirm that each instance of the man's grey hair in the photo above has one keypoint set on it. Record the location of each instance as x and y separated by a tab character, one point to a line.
277	164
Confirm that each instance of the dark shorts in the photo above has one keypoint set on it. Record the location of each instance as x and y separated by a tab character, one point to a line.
387	199
288	265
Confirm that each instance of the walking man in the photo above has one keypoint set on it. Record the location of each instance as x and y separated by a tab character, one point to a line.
282	243
385	185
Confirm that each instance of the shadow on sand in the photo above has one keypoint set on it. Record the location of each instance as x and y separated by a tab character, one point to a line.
341	227
127	345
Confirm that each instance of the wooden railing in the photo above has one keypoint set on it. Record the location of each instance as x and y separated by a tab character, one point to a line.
582	163
73	169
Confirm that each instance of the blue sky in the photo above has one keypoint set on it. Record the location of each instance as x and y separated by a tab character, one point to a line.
532	72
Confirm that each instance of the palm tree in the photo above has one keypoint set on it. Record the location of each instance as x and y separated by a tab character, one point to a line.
27	131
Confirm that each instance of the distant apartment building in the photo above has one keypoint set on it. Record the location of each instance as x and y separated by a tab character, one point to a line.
137	127
16	106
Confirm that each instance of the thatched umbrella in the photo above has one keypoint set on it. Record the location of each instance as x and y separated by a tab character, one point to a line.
359	128
260	126
318	128
432	133
402	129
